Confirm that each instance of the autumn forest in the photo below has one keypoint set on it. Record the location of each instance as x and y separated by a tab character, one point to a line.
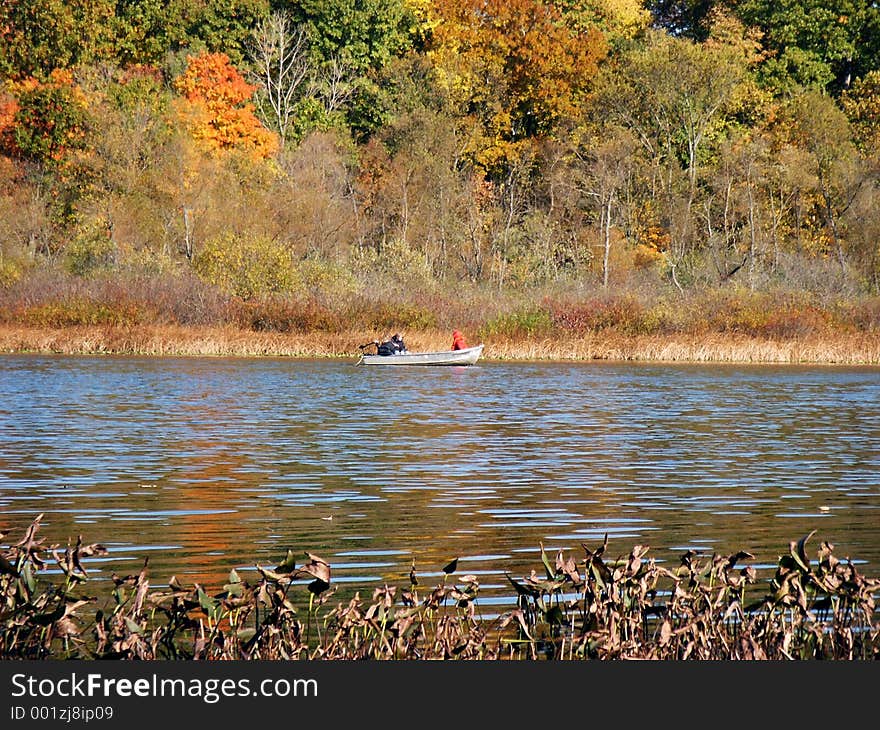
530	171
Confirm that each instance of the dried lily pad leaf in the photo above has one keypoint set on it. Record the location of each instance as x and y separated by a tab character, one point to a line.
450	566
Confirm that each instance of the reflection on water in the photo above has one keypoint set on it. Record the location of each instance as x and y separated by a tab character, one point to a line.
204	465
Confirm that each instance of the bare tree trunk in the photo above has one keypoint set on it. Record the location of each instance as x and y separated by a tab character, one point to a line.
404	209
278	49
726	215
607	226
752	237
188	233
675	278
831	220
775	215
333	84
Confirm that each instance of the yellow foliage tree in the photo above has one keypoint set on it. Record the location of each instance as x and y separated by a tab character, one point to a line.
618	19
514	66
862	105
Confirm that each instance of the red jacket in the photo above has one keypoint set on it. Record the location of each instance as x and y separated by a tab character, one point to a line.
458	342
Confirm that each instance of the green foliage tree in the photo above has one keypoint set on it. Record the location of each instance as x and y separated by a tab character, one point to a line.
145	30
39	36
816	43
819	127
51	122
365	33
222	26
677	98
360	36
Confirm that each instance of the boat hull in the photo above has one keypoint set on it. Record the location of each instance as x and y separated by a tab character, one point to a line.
468	356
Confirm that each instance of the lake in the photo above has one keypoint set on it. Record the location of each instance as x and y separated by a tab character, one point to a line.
208	464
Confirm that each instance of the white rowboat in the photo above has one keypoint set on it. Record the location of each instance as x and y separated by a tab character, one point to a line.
447	357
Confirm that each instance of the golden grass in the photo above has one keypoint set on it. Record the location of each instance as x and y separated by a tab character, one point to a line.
160	340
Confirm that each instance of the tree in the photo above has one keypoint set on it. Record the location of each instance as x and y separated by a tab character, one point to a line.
819	127
617	19
279	52
734	206
862	105
816	42
515	67
131	128
358	38
677	98
682	18
310	200
222	26
245	265
50	122
366	34
607	166
217	107
39	36
26	227
145	30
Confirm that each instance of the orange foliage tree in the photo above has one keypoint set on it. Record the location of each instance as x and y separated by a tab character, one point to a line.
515	66
217	108
43	121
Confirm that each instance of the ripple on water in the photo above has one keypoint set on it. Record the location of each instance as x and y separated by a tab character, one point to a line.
206	464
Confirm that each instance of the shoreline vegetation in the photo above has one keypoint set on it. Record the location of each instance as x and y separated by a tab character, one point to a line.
232	341
587	606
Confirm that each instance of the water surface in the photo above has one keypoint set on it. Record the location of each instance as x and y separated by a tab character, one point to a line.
208	464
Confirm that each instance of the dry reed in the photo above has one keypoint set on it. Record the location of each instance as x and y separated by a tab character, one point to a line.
167	340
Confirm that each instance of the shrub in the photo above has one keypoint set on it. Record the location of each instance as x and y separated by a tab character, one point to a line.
645	257
322	277
398	316
10	272
246	266
526	323
863	315
278	315
90	252
396	264
792	321
175	296
76	312
620	313
762	314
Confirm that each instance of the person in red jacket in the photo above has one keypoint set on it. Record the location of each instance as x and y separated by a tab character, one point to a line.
458	342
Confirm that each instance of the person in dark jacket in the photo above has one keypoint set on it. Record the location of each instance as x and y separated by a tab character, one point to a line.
392	346
458	341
